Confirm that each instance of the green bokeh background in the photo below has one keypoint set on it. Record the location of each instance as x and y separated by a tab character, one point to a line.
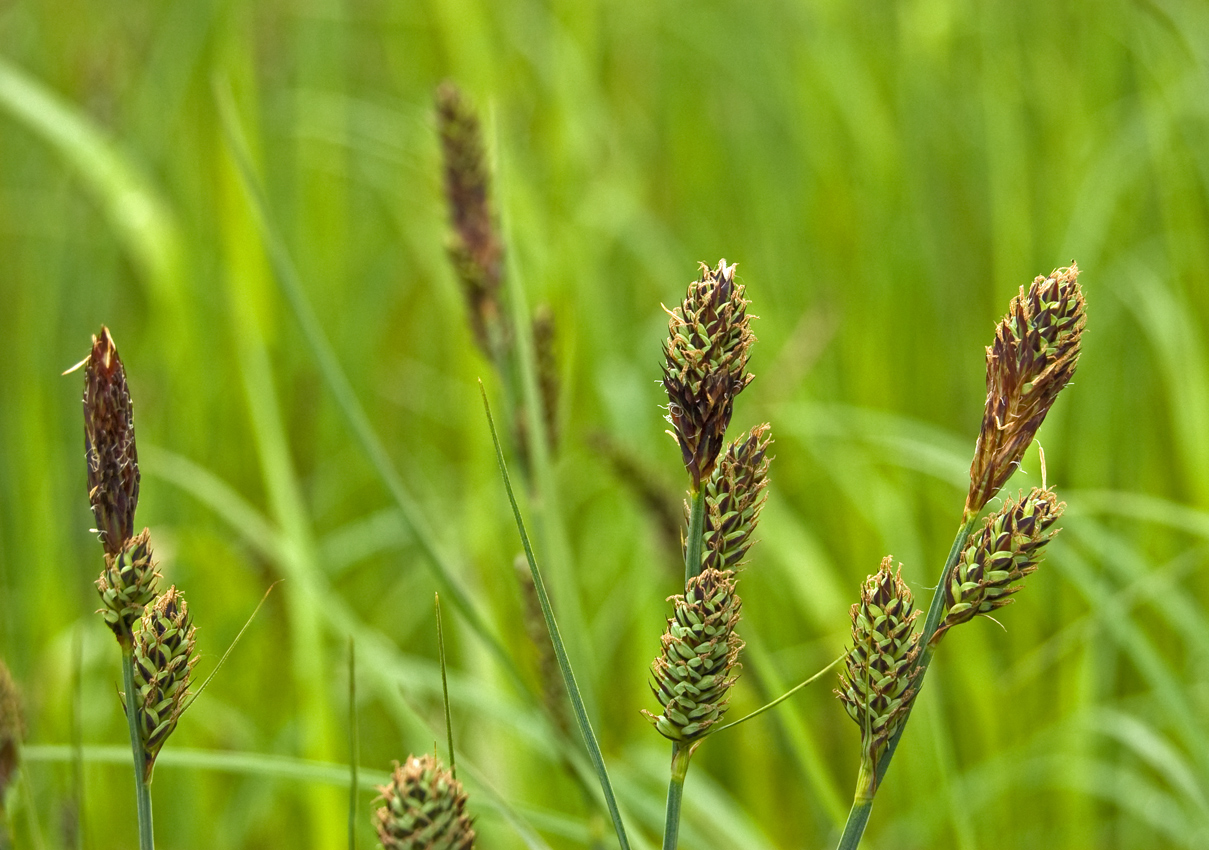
886	175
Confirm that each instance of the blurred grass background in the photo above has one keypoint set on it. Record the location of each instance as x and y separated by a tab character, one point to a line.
886	175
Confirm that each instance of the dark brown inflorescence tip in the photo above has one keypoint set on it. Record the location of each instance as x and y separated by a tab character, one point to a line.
113	464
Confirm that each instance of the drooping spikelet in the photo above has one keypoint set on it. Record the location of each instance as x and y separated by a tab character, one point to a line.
997	557
706	353
127	584
425	809
475	248
877	684
1033	357
12	731
734	497
699	661
164	655
113	464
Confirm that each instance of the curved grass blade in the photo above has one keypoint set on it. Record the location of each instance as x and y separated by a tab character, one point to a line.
453	767
564	664
234	642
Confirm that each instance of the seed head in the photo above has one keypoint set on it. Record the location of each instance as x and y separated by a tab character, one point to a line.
164	655
877	685
1007	548
709	342
12	730
424	809
1033	357
127	585
113	463
700	656
734	497
475	248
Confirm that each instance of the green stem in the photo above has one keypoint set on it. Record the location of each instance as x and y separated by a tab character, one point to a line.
862	805
675	791
142	792
935	611
696	537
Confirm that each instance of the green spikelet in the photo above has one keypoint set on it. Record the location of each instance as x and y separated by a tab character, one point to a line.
127	584
113	463
12	732
734	497
709	342
164	655
877	685
700	655
1033	357
998	556
425	809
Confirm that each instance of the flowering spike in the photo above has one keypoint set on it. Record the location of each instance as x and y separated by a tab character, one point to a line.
699	661
706	353
1033	357
877	685
997	557
734	497
127	584
113	463
424	809
164	655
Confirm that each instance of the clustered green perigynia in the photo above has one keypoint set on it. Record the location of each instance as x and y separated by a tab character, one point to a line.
734	497
706	353
997	557
1033	356
127	585
876	685
424	808
164	655
700	655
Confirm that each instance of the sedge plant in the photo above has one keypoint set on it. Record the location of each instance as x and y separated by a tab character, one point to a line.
154	631
1030	361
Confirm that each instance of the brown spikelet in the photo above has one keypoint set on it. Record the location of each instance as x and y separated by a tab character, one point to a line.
12	732
998	556
424	808
113	464
706	352
1033	357
544	339
475	248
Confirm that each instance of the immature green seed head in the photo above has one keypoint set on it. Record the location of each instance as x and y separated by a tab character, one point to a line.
127	584
1033	357
734	497
424	809
997	557
475	248
877	684
700	658
164	655
706	355
113	463
12	730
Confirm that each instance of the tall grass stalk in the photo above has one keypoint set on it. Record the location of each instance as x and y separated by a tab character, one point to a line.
142	791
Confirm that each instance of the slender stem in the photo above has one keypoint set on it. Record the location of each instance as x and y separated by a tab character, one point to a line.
935	610
142	792
354	746
675	791
862	805
696	536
